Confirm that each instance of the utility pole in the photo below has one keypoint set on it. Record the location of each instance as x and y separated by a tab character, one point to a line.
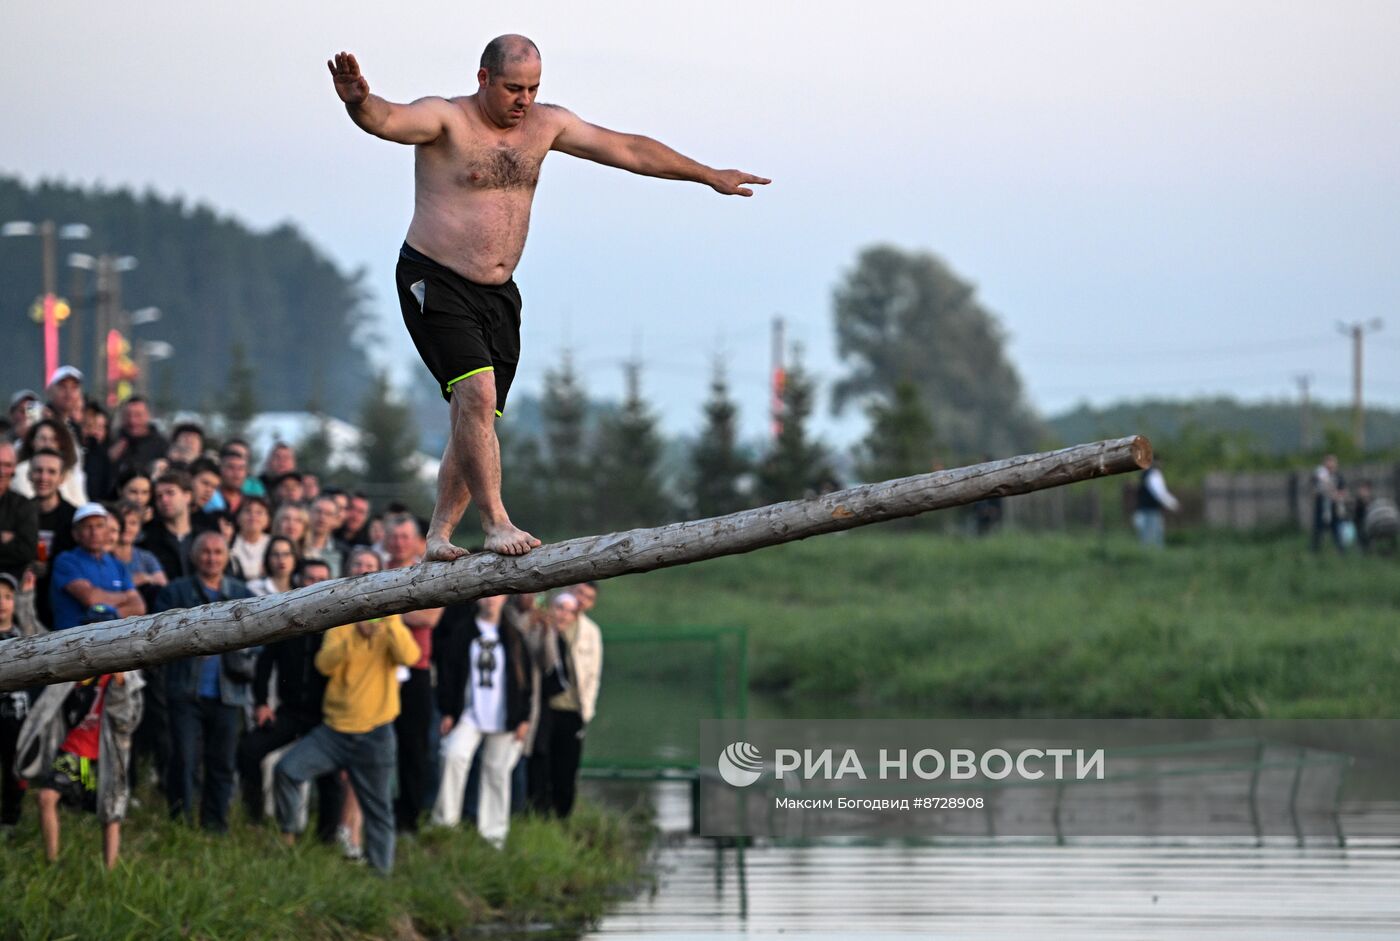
107	319
51	308
75	319
778	379
1304	418
1357	331
100	320
48	232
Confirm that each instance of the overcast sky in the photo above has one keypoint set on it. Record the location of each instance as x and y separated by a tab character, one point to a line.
1155	198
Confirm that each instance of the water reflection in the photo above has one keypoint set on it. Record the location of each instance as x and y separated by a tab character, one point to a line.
1009	889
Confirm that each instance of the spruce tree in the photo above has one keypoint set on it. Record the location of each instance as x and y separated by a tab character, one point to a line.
628	448
716	461
901	441
568	476
164	401
524	481
315	451
388	443
240	405
795	465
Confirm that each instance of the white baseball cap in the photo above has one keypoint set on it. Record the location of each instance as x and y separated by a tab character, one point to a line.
88	510
65	372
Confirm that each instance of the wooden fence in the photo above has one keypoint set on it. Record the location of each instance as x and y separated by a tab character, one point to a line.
1276	499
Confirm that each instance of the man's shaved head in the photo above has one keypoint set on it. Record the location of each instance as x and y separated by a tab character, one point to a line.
505	50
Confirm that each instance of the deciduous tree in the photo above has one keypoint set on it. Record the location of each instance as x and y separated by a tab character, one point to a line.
906	316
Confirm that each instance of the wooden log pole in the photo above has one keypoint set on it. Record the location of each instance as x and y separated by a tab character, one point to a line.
131	643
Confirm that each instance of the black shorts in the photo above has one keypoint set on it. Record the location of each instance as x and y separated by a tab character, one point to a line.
460	328
75	780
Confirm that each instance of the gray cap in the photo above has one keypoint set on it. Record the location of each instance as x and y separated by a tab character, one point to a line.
24	395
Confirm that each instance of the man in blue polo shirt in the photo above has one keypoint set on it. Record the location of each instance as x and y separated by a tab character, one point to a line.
207	695
89	574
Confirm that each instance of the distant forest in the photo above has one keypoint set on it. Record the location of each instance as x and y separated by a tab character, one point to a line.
218	284
1272	429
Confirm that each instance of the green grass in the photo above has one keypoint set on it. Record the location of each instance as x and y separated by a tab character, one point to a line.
1049	625
177	882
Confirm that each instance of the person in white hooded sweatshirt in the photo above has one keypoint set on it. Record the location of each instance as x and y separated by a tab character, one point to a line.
484	686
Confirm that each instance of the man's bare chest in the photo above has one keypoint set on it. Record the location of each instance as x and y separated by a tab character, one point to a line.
475	165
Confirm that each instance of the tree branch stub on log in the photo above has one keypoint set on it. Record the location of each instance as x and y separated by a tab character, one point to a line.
131	643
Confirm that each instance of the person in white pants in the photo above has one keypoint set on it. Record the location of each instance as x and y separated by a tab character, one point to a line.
484	697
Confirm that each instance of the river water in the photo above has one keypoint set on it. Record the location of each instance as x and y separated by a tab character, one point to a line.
1126	888
1018	889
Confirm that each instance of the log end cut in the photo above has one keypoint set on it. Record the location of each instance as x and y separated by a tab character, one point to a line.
1142	452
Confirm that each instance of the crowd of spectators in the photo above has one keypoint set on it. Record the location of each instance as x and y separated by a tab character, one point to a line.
1350	517
393	719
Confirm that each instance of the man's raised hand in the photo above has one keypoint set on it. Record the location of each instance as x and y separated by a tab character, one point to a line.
350	85
731	182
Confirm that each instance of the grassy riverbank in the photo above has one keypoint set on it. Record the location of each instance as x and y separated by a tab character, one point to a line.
1049	624
175	882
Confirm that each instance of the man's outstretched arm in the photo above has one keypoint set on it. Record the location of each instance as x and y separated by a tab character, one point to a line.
578	138
418	123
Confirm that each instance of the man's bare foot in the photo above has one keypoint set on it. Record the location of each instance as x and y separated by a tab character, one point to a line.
442	550
509	539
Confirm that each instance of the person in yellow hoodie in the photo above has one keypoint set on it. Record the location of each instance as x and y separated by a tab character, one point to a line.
360	662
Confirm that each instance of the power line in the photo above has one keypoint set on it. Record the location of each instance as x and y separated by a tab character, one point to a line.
1098	350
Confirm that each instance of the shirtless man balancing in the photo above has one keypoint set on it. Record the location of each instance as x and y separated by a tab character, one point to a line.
476	162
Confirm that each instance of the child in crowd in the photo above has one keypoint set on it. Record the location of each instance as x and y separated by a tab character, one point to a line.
75	745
